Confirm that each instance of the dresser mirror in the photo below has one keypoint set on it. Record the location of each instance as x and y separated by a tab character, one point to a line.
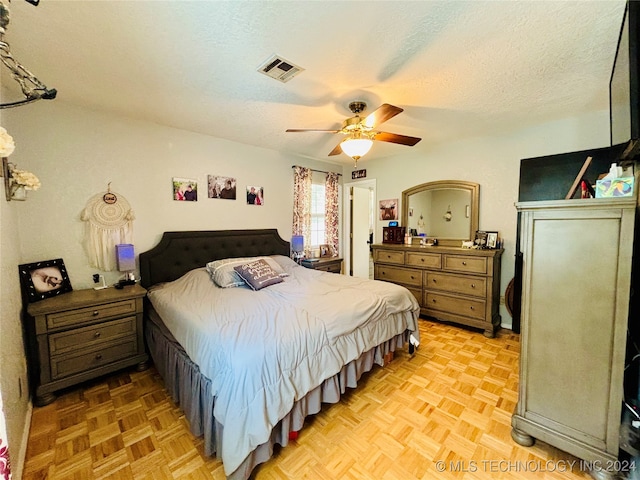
446	210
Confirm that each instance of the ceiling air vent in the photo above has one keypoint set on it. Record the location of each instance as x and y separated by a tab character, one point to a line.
280	69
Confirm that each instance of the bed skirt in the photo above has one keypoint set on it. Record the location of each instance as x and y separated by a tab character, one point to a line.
193	392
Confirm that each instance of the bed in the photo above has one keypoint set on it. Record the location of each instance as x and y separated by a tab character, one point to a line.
247	366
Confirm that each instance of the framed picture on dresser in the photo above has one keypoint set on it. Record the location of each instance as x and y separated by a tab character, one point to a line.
480	240
44	279
492	240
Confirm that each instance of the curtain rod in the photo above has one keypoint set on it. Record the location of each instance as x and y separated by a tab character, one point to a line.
319	171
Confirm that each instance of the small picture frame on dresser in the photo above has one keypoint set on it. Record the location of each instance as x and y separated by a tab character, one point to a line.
480	240
42	280
492	240
325	251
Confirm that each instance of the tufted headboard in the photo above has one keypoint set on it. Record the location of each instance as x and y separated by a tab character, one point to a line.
179	252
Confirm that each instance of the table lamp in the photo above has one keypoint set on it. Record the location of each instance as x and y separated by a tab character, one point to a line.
297	247
126	261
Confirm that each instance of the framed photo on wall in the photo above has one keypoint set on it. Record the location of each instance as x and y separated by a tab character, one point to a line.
42	280
185	189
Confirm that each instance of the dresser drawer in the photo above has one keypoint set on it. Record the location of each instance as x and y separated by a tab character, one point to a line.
464	263
87	337
406	276
90	314
86	358
425	260
456	305
467	285
389	256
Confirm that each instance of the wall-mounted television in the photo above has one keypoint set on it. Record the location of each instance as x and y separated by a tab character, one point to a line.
624	94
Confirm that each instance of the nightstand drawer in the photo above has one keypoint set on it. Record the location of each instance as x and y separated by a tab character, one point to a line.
87	337
87	358
463	263
467	285
457	305
90	314
332	268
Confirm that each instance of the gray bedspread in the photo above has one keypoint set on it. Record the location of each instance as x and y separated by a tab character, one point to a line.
264	350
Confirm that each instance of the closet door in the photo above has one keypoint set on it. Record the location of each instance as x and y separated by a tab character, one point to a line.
576	283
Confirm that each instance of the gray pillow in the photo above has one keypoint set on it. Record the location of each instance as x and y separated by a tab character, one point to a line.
223	274
258	274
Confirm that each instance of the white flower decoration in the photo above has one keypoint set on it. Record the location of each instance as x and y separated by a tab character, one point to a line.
27	179
7	145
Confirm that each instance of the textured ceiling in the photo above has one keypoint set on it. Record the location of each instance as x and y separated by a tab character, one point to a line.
457	68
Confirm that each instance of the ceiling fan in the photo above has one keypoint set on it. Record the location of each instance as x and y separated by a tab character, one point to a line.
361	131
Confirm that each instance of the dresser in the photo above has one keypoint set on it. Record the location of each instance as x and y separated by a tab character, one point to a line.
576	284
451	284
329	264
81	335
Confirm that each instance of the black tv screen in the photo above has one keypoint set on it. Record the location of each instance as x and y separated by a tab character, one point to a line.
624	97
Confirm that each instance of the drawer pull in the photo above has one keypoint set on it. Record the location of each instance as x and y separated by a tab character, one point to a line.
464	263
99	356
422	260
412	277
388	256
471	308
96	335
435	281
96	313
434	300
473	285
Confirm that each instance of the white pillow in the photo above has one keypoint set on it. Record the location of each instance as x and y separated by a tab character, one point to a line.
223	274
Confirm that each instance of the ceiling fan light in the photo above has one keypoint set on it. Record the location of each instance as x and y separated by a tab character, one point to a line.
356	147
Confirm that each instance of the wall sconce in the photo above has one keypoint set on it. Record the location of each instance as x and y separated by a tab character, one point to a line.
17	182
297	247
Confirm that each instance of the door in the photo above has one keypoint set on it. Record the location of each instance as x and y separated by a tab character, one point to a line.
360	229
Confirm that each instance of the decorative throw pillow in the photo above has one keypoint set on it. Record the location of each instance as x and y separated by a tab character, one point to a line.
223	274
258	274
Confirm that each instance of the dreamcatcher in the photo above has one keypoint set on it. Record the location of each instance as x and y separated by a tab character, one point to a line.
109	222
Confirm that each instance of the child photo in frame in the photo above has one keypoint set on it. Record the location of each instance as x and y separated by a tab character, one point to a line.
42	280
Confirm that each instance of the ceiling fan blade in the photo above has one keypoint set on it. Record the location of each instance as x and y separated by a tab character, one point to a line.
310	130
383	113
336	151
395	138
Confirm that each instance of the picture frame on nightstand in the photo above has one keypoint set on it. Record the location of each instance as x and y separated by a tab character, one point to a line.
44	279
325	250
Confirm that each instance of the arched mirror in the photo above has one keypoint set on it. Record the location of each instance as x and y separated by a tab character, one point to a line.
446	210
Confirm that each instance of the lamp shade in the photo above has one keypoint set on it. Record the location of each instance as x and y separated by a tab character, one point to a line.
356	147
297	243
125	257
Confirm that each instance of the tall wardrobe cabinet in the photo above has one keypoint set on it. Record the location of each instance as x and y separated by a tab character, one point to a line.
576	282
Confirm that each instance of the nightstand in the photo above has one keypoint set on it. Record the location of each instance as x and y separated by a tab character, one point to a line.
81	335
329	264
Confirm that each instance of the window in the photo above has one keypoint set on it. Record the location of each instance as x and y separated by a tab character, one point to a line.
317	214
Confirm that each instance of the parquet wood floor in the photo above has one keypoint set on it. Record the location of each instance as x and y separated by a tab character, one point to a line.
443	413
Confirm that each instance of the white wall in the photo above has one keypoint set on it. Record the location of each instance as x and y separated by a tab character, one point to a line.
77	152
494	163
